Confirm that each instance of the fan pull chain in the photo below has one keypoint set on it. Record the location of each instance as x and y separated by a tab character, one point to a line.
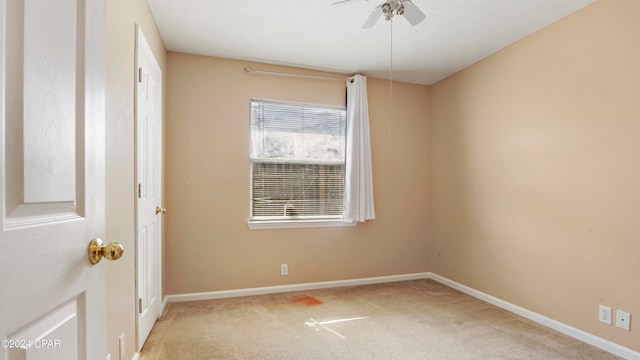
391	82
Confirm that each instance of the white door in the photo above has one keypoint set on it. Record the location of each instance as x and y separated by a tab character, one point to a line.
52	300
149	176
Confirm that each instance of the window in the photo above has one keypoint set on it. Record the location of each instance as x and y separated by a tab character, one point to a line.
297	162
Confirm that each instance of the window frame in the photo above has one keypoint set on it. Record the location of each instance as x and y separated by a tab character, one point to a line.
293	221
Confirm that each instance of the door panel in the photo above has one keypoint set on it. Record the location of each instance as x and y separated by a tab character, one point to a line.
48	333
51	178
43	109
50	72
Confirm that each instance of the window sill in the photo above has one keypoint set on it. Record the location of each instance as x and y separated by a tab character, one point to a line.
297	224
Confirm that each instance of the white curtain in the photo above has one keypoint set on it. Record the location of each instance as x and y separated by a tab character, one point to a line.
358	186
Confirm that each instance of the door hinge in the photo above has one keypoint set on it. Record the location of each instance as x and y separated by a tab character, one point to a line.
140	305
139	74
139	190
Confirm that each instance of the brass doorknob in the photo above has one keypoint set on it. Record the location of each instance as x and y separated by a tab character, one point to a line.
112	251
160	210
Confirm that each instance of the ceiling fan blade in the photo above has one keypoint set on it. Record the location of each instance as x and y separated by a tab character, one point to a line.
373	18
341	2
411	12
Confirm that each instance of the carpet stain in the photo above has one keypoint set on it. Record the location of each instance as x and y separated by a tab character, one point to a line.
307	300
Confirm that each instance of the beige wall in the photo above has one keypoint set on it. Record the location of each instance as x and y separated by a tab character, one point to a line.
122	15
208	244
534	178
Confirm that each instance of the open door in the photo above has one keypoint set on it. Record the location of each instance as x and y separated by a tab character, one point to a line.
52	110
149	209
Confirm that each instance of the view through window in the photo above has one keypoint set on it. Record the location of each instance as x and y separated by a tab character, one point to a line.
297	161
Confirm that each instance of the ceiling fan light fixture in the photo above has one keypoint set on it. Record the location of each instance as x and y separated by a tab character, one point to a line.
390	8
386	8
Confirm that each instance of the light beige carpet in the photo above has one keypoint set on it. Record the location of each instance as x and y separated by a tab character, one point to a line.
419	319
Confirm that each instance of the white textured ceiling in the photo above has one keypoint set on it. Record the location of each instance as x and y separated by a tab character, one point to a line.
314	34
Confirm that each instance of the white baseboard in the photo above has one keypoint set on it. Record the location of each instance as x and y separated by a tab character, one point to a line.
288	288
136	356
583	336
578	334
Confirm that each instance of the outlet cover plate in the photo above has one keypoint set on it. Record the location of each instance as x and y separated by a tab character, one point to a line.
604	314
284	269
623	320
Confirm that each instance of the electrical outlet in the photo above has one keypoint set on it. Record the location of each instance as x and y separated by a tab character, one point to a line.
284	269
623	320
122	348
605	314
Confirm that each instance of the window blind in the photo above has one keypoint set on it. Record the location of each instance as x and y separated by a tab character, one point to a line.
297	161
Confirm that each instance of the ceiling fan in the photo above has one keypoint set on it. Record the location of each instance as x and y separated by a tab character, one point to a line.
391	8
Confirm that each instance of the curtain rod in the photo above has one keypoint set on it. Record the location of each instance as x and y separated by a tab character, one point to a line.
248	69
